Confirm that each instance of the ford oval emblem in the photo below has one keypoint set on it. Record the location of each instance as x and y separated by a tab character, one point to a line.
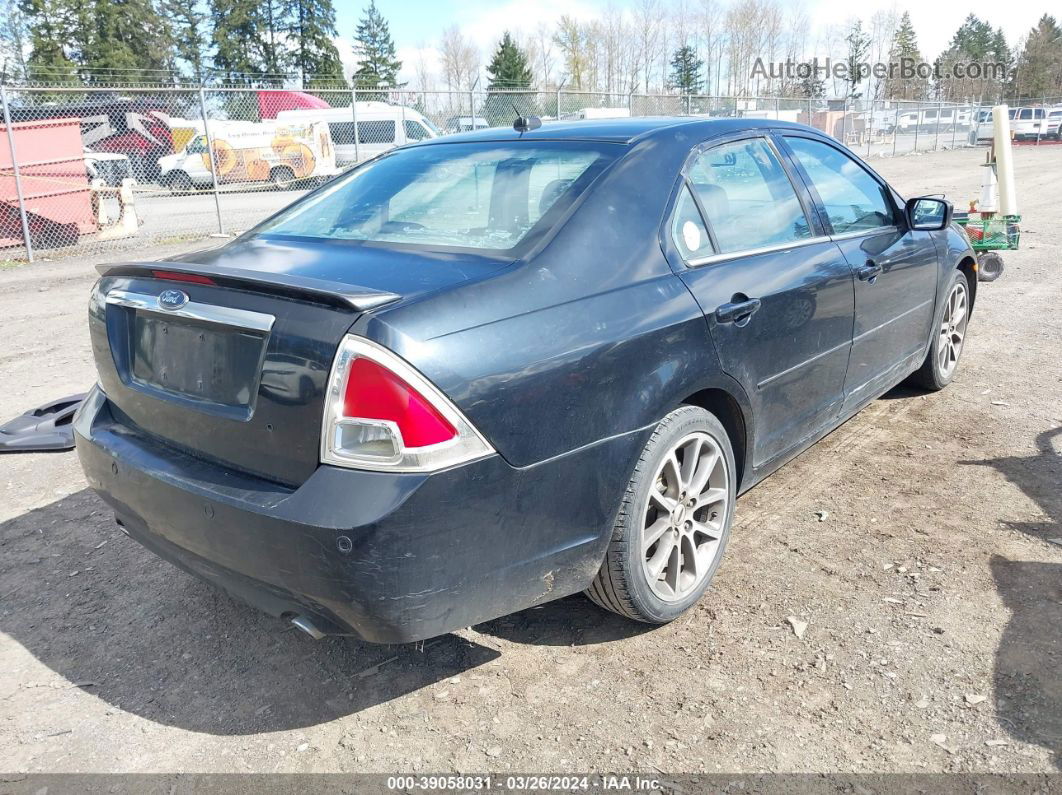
172	300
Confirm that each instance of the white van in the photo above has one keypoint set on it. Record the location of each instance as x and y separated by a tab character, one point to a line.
380	127
248	152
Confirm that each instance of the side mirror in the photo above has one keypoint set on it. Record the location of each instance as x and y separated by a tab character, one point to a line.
926	214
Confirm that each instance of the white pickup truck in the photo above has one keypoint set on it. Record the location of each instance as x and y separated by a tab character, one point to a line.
1024	123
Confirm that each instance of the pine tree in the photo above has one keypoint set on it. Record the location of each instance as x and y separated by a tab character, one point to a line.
273	52
509	69
311	26
123	40
904	54
246	39
1040	64
973	43
686	70
188	30
50	23
973	40
858	43
378	65
235	26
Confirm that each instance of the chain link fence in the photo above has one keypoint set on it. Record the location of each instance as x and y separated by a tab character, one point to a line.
101	170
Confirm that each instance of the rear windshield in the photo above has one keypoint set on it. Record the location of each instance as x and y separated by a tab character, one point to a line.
486	196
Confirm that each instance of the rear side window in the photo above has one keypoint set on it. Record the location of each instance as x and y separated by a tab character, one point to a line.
376	132
688	230
342	132
369	132
474	195
853	199
747	196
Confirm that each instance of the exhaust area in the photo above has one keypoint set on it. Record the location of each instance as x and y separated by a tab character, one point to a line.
307	626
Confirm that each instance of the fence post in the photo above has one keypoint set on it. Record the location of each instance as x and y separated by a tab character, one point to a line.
630	103
472	107
920	116
954	122
868	127
844	121
210	157
810	116
895	128
558	115
18	177
936	133
354	116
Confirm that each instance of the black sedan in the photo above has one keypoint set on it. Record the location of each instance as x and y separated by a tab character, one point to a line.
495	369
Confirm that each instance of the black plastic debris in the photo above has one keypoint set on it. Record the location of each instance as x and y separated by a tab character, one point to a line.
48	427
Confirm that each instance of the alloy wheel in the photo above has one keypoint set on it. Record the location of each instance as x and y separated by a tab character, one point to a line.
952	329
685	516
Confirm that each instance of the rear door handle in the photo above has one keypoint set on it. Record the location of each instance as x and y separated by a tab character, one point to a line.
737	312
869	272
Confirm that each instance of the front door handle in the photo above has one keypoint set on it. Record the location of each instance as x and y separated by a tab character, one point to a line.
869	272
737	311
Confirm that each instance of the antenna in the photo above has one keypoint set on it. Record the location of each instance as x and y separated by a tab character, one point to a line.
524	123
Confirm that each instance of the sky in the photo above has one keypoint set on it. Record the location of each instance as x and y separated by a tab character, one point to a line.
417	24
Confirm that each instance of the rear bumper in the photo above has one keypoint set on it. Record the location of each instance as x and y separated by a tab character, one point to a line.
388	557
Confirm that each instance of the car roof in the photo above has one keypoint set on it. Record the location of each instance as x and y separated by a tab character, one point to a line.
625	131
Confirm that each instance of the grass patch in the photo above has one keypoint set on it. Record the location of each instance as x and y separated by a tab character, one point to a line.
11	264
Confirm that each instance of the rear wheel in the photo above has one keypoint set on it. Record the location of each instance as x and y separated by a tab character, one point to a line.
282	177
673	523
180	182
989	266
949	335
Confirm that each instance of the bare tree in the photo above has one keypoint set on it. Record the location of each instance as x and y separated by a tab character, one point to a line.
648	21
12	40
570	39
460	59
882	32
713	37
541	54
425	80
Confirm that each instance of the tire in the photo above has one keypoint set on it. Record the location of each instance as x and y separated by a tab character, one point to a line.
989	266
180	182
939	368
624	583
282	177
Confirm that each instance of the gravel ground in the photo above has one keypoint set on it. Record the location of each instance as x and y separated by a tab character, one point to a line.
930	589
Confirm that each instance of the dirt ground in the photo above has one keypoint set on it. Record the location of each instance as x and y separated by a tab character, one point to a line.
931	590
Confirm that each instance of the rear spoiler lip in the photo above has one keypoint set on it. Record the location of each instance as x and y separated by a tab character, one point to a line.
345	296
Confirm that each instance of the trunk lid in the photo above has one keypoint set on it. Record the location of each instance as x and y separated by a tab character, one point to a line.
226	355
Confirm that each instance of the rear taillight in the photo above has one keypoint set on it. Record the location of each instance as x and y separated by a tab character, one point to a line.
382	414
188	278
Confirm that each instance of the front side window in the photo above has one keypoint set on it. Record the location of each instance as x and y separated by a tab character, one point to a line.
747	196
853	199
197	145
415	131
474	195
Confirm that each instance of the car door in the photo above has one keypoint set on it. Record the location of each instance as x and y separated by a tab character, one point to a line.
895	268
196	161
776	292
